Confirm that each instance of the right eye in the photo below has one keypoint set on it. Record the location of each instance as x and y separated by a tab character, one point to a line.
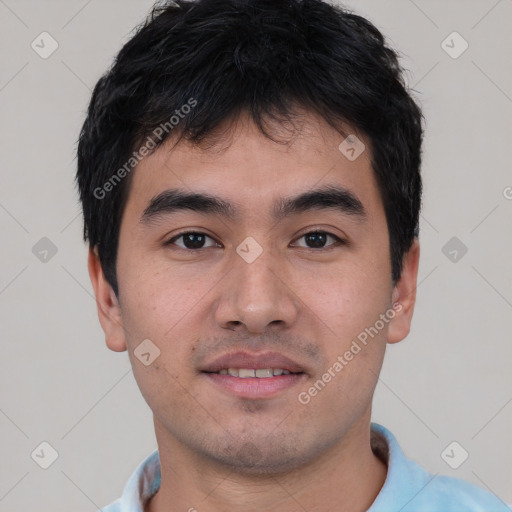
191	240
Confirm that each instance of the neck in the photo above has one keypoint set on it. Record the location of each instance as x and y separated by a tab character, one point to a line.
348	477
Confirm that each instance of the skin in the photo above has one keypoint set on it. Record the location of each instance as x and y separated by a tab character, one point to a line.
220	452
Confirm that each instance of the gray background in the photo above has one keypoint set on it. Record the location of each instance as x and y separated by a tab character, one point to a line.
449	381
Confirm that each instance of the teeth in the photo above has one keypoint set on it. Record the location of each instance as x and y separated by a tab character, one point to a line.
244	373
261	373
264	372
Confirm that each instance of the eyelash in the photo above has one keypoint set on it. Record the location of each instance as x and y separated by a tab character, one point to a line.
338	240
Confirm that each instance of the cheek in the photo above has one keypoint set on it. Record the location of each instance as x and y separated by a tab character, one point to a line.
349	303
161	387
350	297
157	297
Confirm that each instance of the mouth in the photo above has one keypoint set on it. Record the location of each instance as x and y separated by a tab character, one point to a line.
260	373
254	376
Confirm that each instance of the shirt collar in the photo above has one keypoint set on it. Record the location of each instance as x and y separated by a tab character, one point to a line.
142	485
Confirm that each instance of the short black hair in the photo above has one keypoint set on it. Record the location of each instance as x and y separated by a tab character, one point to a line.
191	65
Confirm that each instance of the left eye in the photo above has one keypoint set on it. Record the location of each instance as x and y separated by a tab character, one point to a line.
192	240
318	239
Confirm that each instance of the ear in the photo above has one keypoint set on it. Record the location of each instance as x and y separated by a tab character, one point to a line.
404	295
109	311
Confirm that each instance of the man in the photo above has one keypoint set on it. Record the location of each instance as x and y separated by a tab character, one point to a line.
249	175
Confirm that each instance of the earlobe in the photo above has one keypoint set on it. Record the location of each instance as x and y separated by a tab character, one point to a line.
109	311
404	295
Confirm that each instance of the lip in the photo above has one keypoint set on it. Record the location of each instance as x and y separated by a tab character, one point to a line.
254	387
256	361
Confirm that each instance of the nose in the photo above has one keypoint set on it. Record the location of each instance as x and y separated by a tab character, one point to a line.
257	295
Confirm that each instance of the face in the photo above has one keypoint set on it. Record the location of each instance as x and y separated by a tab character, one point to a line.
284	266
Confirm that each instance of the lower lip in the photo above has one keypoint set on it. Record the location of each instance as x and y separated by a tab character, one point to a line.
254	387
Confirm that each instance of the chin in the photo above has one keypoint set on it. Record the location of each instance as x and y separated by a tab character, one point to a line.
264	456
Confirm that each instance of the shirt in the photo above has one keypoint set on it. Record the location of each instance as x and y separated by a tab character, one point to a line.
407	488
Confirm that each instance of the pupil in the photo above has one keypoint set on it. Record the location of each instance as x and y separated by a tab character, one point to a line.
317	239
196	240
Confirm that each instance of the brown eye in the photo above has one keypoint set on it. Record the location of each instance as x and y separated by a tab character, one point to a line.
192	240
318	239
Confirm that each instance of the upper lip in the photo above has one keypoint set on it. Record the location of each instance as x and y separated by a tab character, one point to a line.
256	361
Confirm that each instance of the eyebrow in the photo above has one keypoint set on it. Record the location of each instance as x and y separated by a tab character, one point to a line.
326	198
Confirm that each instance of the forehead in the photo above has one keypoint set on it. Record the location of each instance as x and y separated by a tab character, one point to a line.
254	173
